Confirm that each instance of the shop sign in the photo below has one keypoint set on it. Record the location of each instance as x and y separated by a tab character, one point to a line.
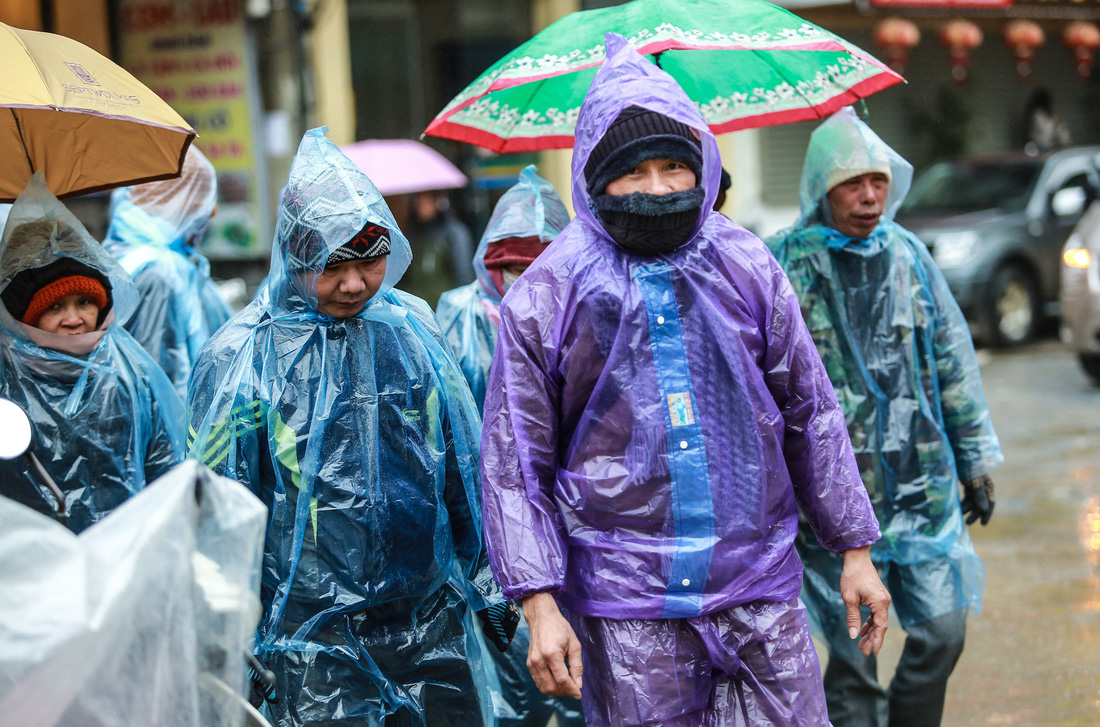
193	54
943	4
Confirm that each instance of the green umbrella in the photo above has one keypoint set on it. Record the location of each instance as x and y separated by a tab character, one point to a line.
746	63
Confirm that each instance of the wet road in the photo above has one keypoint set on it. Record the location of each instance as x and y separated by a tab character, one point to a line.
1033	655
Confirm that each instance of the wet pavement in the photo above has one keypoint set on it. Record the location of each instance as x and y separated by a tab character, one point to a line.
1033	655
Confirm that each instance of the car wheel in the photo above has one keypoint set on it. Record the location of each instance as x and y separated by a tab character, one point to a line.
1090	364
1012	310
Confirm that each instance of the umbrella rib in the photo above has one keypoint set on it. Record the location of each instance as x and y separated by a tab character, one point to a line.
22	140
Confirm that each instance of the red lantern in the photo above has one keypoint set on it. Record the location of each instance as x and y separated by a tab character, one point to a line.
1082	38
896	37
1023	37
960	37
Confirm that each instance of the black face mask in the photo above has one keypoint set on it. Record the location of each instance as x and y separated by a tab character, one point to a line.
650	224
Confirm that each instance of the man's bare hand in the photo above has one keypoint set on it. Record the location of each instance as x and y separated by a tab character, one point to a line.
554	657
861	586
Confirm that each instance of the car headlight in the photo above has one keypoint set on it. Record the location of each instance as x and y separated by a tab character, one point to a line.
1076	257
953	248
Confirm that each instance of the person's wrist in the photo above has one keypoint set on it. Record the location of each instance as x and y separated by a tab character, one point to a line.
860	554
538	605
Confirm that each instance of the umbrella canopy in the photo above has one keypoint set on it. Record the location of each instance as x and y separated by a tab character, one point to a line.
80	118
401	166
746	63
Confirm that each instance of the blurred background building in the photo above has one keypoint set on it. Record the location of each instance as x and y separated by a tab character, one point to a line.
252	75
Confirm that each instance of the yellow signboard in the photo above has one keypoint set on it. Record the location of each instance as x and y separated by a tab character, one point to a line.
193	54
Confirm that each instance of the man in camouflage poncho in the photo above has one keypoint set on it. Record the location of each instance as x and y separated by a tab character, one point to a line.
899	354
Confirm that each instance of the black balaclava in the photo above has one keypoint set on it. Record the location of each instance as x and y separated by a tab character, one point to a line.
645	224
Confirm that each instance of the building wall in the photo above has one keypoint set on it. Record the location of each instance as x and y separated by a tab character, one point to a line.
930	116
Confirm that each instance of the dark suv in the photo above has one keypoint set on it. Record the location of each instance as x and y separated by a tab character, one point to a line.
996	225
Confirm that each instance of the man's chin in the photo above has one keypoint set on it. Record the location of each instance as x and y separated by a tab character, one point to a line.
343	310
863	228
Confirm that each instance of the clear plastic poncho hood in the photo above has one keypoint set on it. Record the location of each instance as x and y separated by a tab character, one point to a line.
651	422
324	204
152	234
907	377
844	142
37	203
360	436
168	213
530	208
470	315
105	417
129	623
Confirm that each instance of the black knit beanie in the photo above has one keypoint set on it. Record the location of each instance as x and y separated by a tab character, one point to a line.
638	135
370	242
19	292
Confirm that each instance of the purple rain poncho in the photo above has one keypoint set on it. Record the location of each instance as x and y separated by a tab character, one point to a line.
653	423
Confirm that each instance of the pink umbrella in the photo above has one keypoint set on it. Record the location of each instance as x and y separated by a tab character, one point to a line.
401	166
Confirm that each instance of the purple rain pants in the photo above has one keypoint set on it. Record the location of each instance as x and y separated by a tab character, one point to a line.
750	665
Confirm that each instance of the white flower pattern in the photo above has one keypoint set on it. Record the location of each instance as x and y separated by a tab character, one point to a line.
549	63
503	120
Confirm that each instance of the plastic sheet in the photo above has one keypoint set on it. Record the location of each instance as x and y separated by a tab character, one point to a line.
154	228
905	373
361	437
653	423
129	623
105	417
470	315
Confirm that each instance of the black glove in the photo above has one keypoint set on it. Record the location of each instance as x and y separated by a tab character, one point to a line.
261	683
499	623
978	499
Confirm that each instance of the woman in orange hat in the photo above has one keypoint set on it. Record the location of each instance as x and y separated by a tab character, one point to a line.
106	418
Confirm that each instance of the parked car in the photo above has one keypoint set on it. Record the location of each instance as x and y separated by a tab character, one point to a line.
1081	293
996	225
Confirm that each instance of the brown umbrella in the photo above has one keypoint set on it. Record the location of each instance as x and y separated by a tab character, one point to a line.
80	118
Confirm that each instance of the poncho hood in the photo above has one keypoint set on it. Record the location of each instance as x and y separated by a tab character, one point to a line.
845	142
37	204
170	213
326	202
627	79
530	208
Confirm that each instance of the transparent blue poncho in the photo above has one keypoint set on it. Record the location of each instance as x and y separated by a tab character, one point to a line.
106	419
153	231
361	437
470	315
900	357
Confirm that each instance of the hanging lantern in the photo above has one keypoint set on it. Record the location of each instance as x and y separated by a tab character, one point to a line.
1023	37
960	37
1082	38
896	37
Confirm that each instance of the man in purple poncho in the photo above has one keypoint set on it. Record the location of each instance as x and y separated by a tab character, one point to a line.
656	415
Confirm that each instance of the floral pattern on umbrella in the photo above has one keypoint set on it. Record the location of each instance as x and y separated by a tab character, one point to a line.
783	69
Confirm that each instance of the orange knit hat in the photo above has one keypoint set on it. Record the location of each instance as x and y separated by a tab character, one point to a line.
49	294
